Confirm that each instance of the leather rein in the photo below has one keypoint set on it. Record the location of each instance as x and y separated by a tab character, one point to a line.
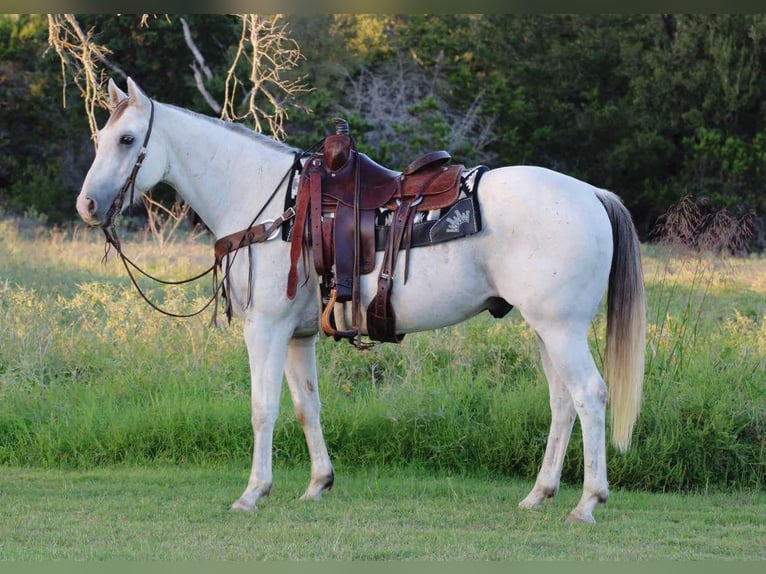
255	233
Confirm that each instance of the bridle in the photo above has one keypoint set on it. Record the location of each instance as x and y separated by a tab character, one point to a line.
130	183
255	233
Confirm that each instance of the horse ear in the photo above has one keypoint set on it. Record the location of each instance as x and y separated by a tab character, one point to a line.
137	97
116	95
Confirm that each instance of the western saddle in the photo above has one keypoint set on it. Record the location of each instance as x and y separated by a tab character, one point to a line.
341	196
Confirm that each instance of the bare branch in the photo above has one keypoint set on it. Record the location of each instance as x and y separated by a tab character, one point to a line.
390	96
266	50
198	68
163	222
79	56
113	67
199	82
255	83
145	19
194	50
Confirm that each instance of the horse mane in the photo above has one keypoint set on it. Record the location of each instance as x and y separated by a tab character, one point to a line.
238	129
231	126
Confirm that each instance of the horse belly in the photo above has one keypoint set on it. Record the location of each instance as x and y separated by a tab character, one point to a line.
446	284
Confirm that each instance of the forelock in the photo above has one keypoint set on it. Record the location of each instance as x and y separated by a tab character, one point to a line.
117	111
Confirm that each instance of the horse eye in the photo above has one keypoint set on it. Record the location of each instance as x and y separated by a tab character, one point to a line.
126	139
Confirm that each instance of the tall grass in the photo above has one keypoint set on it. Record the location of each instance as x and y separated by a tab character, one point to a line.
706	349
90	375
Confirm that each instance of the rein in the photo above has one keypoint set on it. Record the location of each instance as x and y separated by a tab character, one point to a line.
113	240
255	233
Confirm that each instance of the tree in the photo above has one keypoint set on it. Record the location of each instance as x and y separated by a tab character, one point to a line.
656	107
41	153
390	79
53	63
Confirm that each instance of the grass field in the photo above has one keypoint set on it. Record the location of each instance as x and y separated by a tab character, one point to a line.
127	434
174	513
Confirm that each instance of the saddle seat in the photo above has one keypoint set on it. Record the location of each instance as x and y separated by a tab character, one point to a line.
341	195
383	188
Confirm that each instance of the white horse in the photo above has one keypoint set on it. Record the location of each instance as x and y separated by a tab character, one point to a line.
550	246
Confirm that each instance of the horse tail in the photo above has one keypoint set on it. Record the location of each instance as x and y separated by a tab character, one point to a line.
625	323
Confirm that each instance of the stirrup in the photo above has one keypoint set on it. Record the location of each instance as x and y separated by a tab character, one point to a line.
327	323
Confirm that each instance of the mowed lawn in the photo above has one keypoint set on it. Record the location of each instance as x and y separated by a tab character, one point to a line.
175	513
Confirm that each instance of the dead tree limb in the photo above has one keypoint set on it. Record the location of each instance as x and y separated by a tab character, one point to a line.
198	68
260	85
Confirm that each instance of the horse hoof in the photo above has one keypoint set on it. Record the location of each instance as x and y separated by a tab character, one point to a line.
537	497
578	517
243	506
319	486
530	503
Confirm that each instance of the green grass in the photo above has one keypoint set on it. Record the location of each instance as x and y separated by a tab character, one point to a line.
181	513
91	376
125	434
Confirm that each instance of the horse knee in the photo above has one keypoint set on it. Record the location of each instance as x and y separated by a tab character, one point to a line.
263	417
306	412
596	388
306	416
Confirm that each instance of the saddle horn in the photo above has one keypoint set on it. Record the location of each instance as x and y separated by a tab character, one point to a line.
337	147
341	127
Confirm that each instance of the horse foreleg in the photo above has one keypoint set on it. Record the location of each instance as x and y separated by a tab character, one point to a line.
267	348
572	361
301	372
562	420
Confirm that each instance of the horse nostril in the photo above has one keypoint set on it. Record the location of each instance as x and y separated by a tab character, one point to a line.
92	205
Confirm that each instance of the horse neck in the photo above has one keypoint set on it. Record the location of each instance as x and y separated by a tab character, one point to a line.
225	175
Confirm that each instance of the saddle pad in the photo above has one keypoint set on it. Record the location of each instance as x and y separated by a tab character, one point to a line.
460	220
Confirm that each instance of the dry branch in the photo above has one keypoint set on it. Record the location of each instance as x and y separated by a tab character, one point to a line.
255	88
80	57
199	67
267	52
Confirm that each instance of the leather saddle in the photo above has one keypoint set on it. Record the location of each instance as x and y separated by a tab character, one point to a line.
342	194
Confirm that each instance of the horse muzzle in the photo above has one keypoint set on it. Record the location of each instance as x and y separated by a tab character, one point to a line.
92	211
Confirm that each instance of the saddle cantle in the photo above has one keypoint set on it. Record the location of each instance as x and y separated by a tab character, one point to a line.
341	196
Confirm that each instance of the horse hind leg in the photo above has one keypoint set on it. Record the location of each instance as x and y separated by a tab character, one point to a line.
562	420
570	358
301	373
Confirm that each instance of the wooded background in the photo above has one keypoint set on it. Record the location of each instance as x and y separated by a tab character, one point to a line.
654	107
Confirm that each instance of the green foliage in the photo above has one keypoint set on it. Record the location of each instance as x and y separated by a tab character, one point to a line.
156	56
655	107
724	167
41	145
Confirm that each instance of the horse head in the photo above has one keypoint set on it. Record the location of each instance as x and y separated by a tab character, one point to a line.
128	161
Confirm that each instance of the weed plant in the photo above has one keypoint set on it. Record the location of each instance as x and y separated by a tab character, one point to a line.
90	375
